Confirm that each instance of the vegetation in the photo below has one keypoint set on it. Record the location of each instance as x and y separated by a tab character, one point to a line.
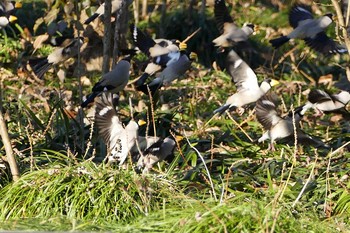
220	179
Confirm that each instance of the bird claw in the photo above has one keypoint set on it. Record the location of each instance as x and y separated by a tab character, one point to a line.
240	111
182	46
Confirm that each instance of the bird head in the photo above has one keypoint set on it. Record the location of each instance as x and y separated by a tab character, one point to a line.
272	82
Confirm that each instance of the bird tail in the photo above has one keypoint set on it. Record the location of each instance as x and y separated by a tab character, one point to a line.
141	81
276	43
152	88
222	109
91	18
40	66
89	99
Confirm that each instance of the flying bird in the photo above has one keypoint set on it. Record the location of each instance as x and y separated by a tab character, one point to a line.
41	65
248	89
169	74
119	139
111	82
310	30
116	5
282	128
324	102
231	34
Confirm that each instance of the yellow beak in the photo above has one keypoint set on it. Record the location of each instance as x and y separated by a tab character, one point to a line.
274	82
12	18
18	5
141	122
178	138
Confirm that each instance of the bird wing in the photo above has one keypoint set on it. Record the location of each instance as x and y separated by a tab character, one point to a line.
266	111
222	16
141	40
319	96
242	75
106	118
323	44
298	13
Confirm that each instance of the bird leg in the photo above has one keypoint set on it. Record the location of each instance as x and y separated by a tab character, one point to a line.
240	110
271	146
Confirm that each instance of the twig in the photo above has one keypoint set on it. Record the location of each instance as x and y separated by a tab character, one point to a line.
205	166
8	148
238	125
107	37
190	36
306	183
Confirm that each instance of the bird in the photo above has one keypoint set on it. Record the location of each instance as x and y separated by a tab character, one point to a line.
282	128
169	74
116	5
246	81
118	138
231	34
324	102
310	30
157	152
111	82
6	8
161	52
41	65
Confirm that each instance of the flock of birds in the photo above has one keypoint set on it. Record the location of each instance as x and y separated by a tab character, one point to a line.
169	60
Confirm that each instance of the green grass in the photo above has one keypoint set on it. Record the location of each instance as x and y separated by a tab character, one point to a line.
240	186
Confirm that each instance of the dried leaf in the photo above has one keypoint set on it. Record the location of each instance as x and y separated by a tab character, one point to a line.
51	16
39	41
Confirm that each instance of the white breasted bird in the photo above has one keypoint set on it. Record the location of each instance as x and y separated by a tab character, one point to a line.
41	65
322	101
246	82
116	5
282	128
119	139
310	30
231	34
111	82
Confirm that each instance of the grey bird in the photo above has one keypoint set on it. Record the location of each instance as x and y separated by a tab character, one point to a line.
310	30
111	82
324	102
282	128
169	74
41	65
246	82
116	5
161	52
119	139
157	153
231	34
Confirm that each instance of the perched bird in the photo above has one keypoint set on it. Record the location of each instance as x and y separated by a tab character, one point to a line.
322	101
119	139
116	5
231	34
248	89
41	65
310	30
279	128
169	74
111	82
156	153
